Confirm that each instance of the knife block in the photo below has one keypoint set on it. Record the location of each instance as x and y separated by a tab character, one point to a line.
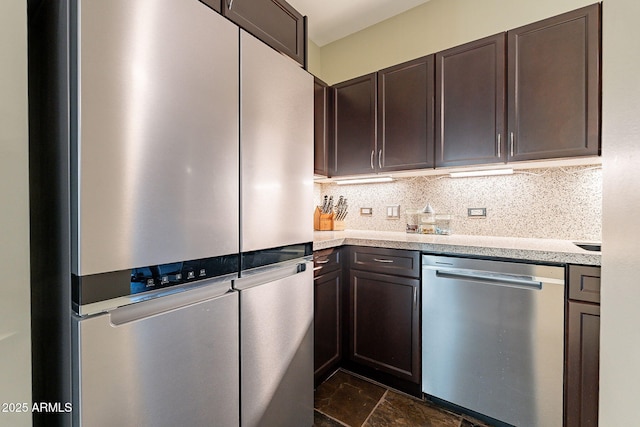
322	222
338	225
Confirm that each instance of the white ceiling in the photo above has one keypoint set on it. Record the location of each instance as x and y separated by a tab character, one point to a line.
330	20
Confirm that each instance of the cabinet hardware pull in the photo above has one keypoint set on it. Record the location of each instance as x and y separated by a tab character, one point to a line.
499	148
380	159
373	153
415	298
511	144
230	4
385	261
318	268
324	261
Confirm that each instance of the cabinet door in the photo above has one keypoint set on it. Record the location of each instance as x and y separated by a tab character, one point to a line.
321	127
354	121
405	116
470	92
583	349
327	324
384	323
213	4
275	22
554	87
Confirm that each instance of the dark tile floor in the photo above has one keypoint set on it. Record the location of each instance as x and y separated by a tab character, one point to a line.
347	400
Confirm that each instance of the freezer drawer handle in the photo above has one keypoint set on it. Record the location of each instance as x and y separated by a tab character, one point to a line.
175	298
522	282
270	274
384	261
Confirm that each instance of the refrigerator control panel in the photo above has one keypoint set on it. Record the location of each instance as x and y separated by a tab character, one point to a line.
95	288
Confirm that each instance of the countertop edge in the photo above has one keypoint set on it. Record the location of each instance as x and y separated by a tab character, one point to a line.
525	254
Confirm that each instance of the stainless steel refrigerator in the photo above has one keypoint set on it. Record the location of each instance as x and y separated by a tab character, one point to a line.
135	217
276	229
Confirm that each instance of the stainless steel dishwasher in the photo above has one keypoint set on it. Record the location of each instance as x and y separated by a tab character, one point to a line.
493	338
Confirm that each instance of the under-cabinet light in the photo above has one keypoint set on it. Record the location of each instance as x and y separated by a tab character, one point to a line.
488	172
364	180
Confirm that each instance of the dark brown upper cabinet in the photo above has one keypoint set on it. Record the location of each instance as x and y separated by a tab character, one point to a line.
275	22
321	99
554	87
470	103
213	4
354	126
405	116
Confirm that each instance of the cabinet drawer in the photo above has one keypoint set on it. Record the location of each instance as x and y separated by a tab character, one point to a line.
326	260
388	261
584	283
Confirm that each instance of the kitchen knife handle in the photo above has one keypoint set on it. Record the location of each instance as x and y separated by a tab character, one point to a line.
380	159
373	153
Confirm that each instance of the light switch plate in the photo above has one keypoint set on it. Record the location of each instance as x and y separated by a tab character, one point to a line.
393	212
477	212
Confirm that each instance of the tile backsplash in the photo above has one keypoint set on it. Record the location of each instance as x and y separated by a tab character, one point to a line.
557	203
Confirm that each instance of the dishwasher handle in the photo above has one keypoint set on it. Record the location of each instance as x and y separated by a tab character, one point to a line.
491	278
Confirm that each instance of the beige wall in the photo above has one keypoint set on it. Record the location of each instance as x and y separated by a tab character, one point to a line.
429	28
620	310
15	335
314	58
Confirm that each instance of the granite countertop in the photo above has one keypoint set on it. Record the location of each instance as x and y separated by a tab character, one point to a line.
539	250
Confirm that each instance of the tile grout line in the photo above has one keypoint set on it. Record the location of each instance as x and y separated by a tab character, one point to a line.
331	418
375	407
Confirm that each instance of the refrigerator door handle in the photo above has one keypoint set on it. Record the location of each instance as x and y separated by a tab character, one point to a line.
268	274
129	313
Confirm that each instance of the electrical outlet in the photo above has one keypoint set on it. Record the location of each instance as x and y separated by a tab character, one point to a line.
477	212
366	211
393	212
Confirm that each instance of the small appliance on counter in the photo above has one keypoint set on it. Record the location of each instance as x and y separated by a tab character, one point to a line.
426	221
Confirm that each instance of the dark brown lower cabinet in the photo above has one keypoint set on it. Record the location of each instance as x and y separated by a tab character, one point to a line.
384	323
583	347
328	309
327	324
